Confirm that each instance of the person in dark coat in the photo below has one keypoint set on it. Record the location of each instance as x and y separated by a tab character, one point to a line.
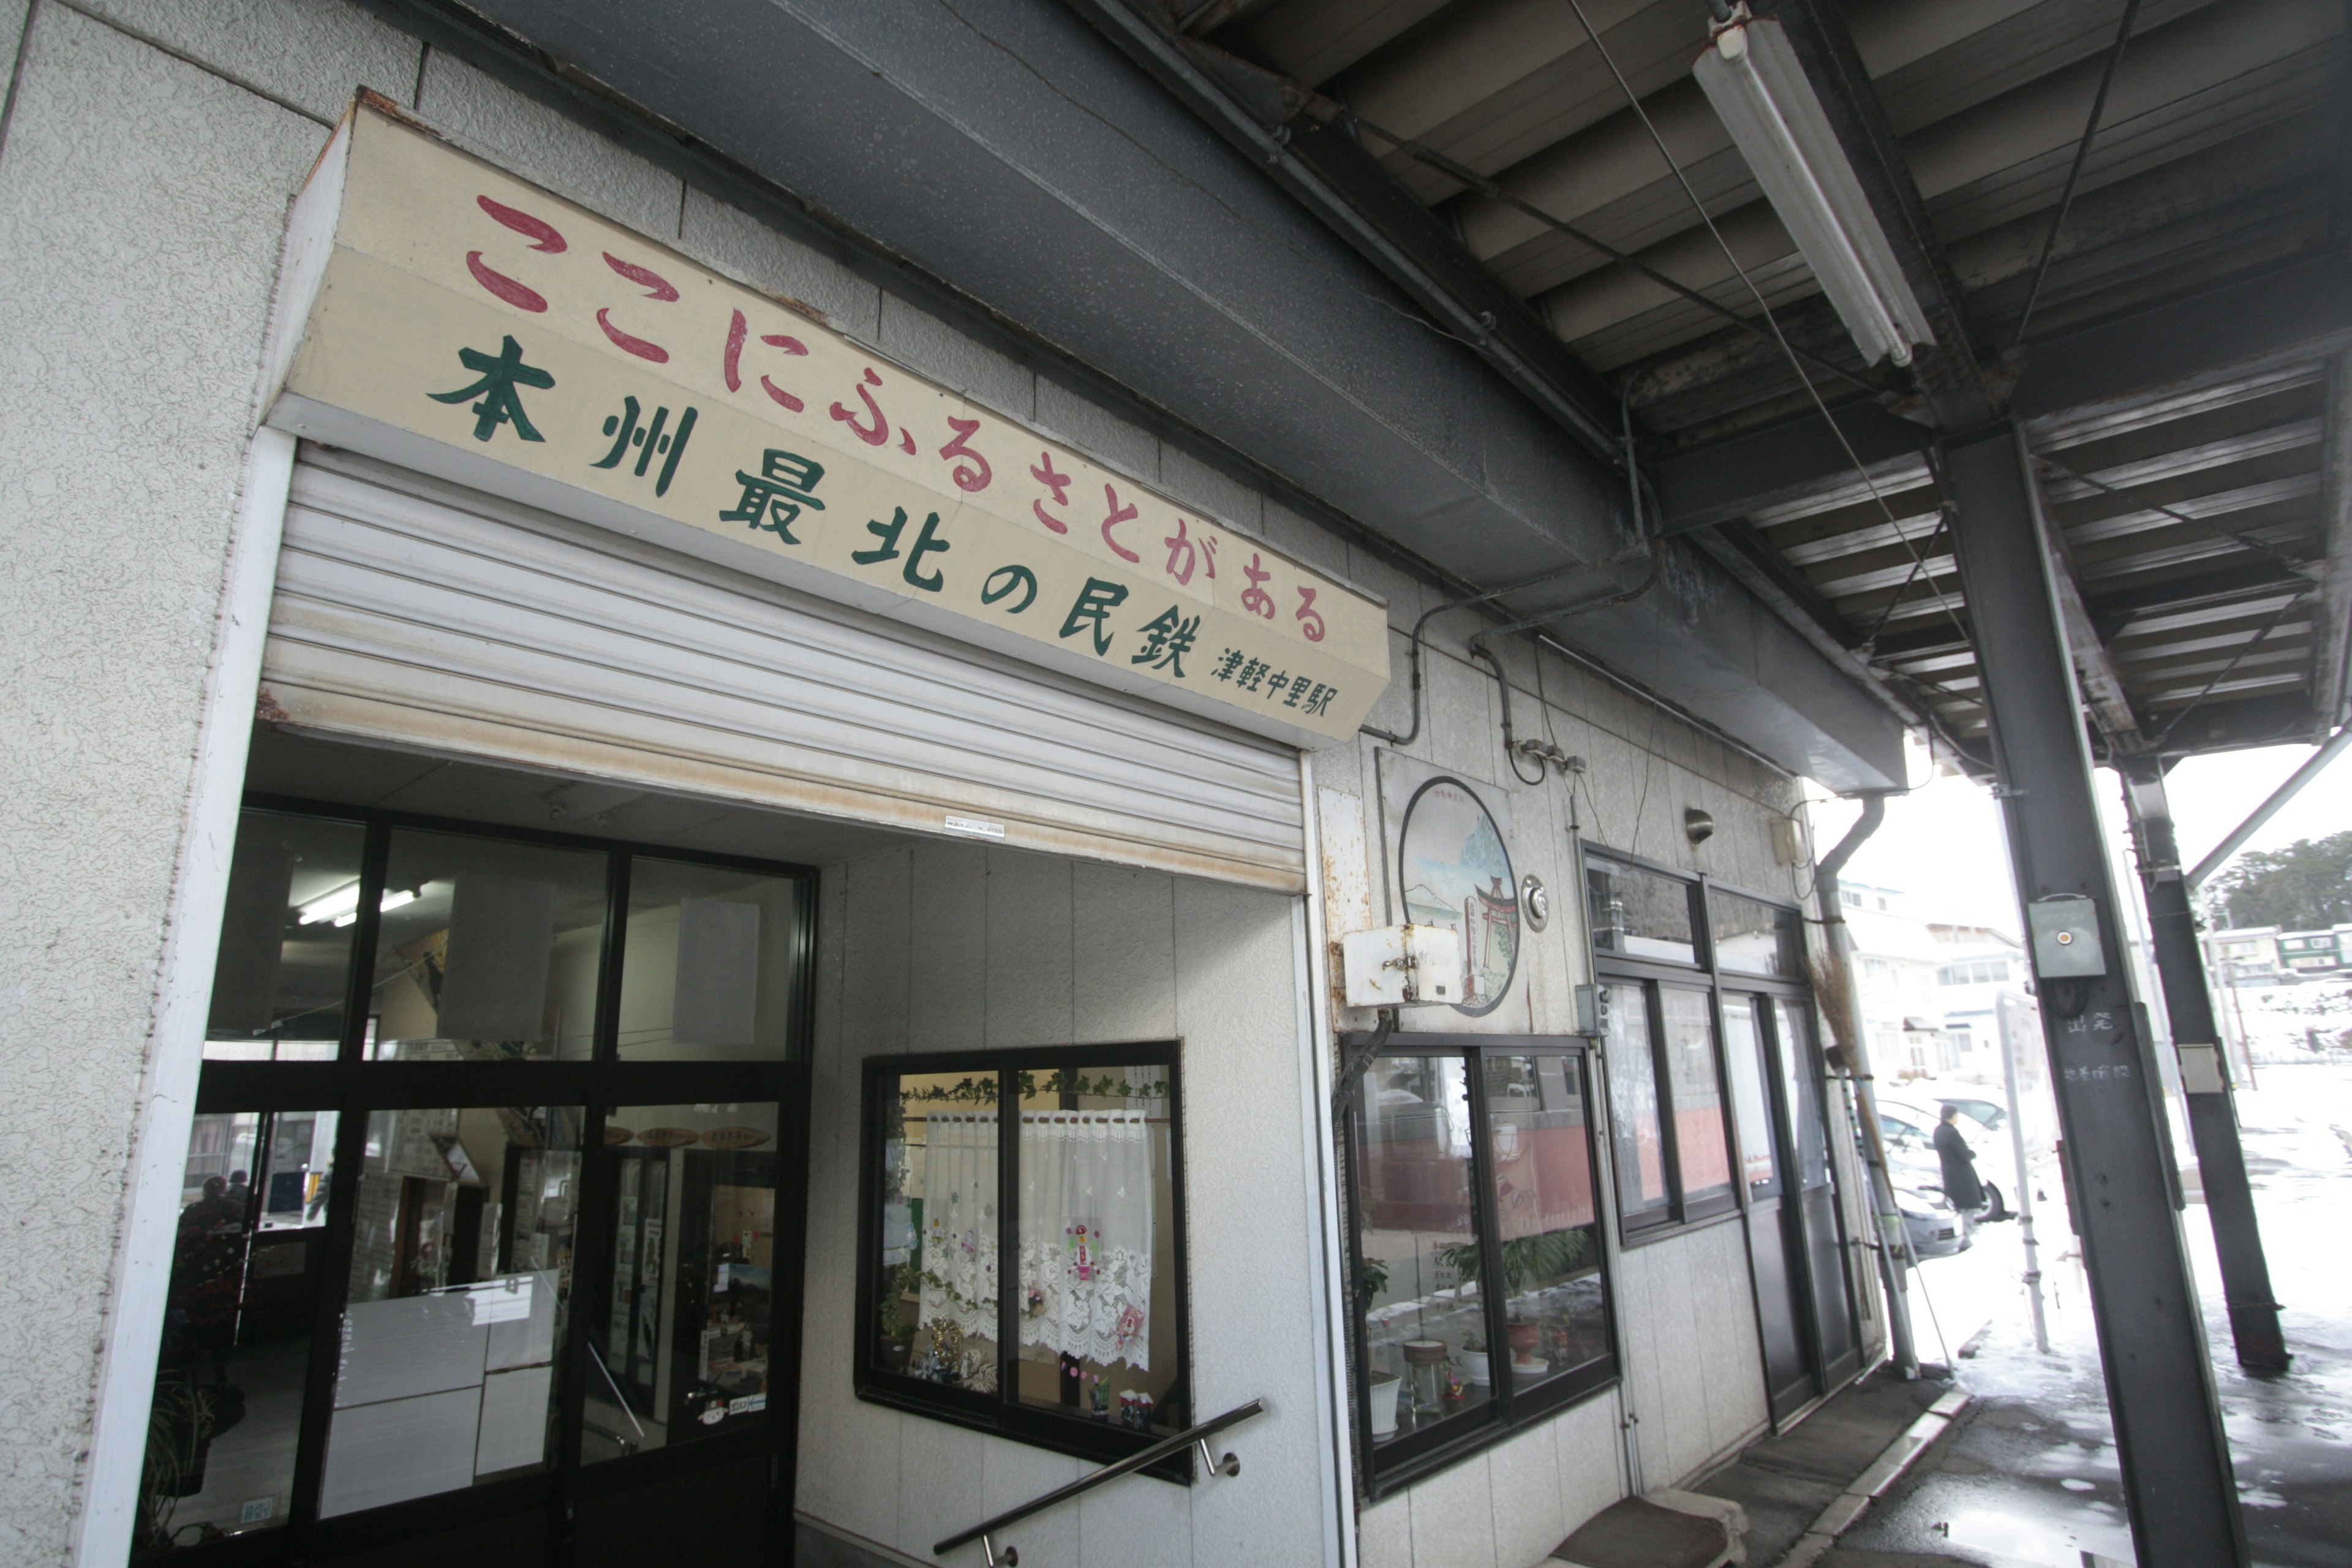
1961	1188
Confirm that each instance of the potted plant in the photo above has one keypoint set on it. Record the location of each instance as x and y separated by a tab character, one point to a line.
1549	1255
901	1285
1474	1361
1526	1334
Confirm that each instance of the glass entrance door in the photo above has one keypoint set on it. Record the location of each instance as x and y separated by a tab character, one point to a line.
484	1255
1803	1107
1803	1299
1775	1240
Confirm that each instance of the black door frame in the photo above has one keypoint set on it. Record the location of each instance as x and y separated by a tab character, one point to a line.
354	1087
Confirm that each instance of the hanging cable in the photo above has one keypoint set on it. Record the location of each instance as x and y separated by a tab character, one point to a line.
2123	492
2075	172
1462	174
2223	674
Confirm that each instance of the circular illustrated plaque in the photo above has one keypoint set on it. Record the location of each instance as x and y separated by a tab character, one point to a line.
1456	873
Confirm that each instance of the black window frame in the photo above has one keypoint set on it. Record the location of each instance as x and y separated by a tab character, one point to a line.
1003	1413
1384	1469
1652	976
354	1087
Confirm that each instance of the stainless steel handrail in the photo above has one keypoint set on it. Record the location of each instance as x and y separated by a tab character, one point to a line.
1193	1437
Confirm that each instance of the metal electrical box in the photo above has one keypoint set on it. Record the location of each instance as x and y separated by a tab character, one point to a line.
1393	966
2065	932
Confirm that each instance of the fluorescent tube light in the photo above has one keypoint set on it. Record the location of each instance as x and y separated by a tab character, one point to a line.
344	900
1760	90
342	907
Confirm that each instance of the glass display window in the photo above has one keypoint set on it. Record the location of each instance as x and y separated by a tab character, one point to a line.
282	976
1034	1286
1481	1298
708	962
1425	1330
486	949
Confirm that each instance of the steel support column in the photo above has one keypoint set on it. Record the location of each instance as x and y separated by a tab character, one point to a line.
2168	1439
2204	1072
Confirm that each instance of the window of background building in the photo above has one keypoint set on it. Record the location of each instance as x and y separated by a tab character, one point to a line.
1481	1294
1035	1291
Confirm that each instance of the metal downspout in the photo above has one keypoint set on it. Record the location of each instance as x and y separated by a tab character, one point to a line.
1894	1245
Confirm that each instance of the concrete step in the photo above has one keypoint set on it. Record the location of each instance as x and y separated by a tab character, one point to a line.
1664	1529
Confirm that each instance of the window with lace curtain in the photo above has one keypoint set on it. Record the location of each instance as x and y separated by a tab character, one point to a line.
1022	1242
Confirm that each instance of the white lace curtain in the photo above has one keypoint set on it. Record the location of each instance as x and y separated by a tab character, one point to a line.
960	1222
1086	1218
1086	1230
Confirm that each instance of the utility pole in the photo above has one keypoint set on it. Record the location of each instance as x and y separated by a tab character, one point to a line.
2204	1071
2168	1439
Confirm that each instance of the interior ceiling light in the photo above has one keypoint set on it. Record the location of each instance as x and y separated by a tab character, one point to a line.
342	907
1760	90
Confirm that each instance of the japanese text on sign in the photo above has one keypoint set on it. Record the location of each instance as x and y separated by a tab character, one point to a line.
459	304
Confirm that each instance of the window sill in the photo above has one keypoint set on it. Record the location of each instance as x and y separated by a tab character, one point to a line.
1098	1442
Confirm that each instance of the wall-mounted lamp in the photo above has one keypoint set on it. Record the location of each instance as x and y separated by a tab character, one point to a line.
1760	90
1698	827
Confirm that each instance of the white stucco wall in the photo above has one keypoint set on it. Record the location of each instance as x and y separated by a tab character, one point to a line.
142	205
955	948
1692	1360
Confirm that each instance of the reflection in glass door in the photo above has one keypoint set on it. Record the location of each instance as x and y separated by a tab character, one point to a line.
481	1257
1775	1242
1823	1228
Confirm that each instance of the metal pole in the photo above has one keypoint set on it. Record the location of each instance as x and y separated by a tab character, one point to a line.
2313	766
1894	1245
2002	1007
2168	1439
2204	1072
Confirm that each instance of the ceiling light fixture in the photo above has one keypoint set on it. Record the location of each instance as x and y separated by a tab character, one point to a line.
1760	90
342	907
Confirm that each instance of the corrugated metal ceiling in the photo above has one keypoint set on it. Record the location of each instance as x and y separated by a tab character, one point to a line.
2195	519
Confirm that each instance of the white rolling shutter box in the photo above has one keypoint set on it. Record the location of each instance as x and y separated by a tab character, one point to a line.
416	613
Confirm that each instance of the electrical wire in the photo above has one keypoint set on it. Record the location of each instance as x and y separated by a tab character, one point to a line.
2223	674
1812	391
2074	172
2124	492
1462	174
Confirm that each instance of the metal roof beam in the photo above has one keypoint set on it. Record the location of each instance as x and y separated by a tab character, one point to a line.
2264	330
2332	683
